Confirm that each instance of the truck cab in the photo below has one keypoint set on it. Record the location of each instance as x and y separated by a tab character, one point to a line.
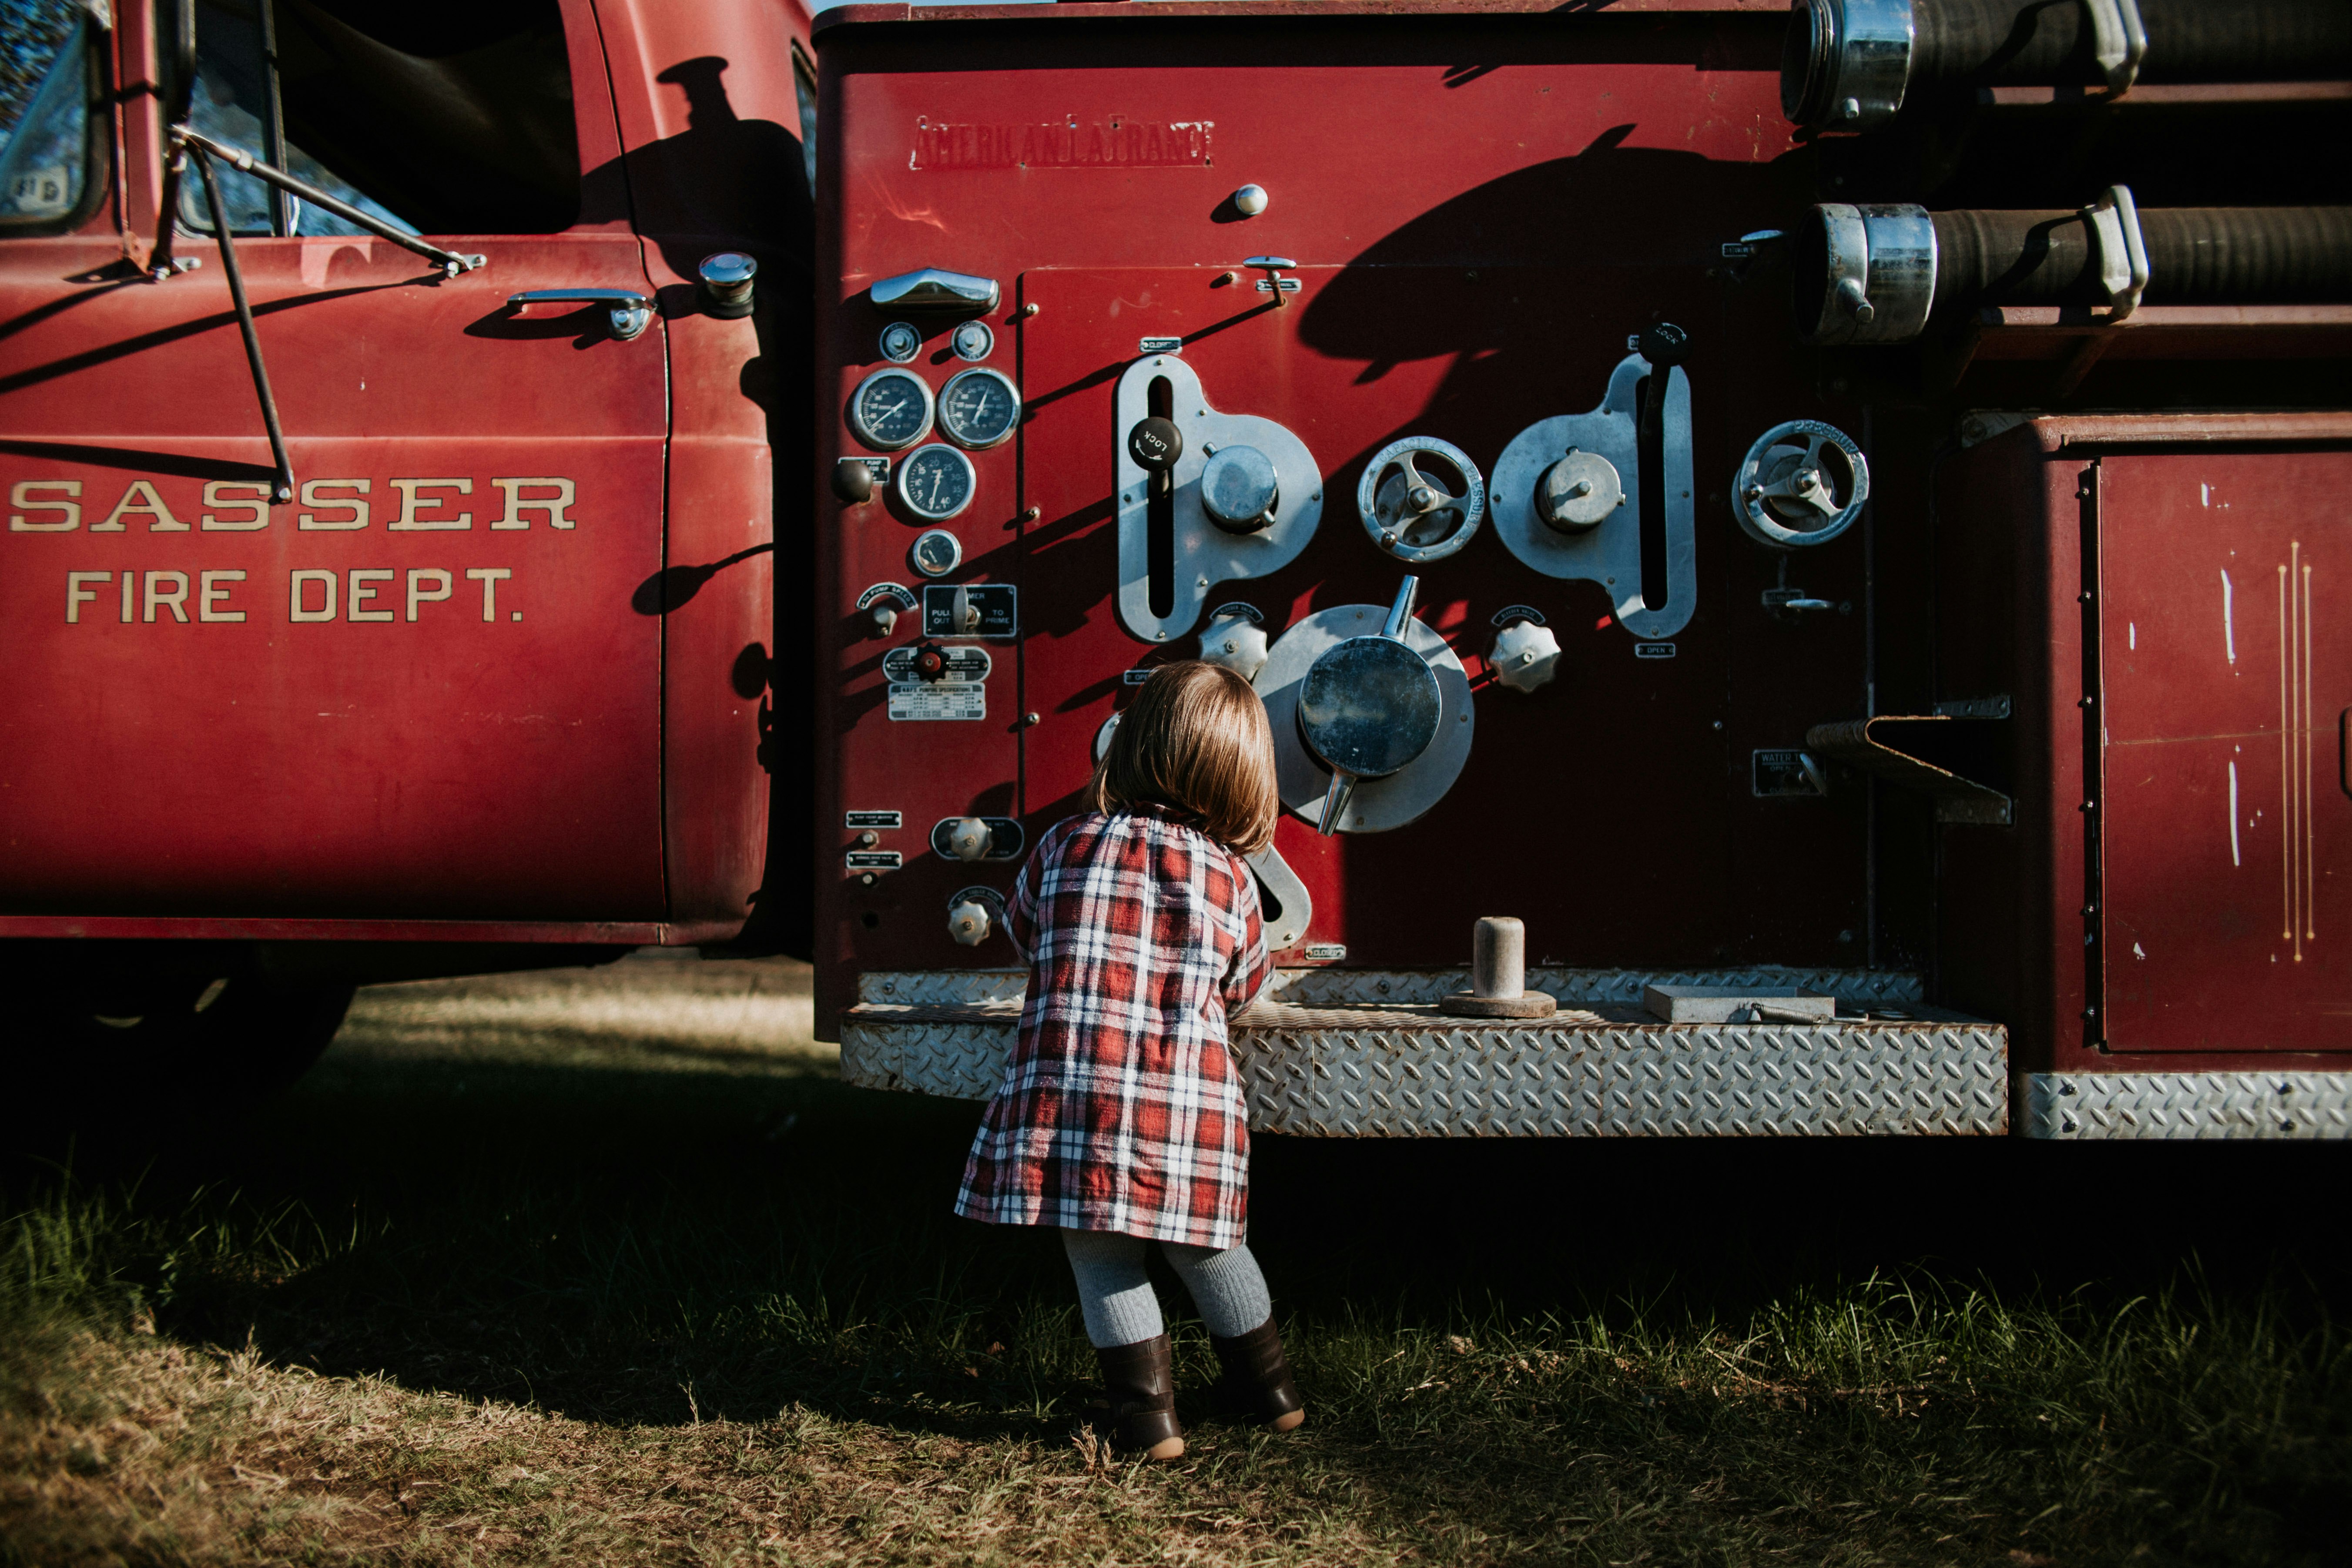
389	569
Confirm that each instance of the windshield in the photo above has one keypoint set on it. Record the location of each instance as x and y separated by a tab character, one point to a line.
46	81
437	117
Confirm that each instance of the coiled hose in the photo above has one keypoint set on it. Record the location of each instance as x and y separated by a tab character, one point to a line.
2049	43
1855	62
2196	255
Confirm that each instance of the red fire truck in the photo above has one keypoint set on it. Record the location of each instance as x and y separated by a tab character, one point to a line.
1799	535
1826	519
391	398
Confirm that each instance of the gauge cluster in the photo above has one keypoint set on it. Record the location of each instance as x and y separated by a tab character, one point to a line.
896	409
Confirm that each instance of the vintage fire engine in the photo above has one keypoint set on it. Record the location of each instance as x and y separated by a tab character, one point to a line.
1821	517
1833	519
391	397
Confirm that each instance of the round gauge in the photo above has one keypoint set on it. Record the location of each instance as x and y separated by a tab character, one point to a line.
901	343
935	483
979	408
937	552
973	341
890	409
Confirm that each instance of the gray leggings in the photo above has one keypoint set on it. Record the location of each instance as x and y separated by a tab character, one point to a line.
1121	1307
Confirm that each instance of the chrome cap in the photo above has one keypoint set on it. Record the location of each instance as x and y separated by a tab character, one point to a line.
728	269
932	291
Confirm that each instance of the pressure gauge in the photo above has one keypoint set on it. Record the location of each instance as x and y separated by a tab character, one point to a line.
973	342
935	483
890	409
979	408
937	552
901	343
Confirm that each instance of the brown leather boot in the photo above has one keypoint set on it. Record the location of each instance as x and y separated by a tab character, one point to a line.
1257	1382
1139	1414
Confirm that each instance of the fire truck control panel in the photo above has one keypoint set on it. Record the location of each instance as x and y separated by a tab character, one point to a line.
1697	477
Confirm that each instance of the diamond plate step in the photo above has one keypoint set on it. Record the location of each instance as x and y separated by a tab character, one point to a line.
2235	1105
1406	1070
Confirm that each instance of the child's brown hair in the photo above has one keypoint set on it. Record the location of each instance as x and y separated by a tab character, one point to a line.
1196	739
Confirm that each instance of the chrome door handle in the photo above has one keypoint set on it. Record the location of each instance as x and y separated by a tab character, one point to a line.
631	312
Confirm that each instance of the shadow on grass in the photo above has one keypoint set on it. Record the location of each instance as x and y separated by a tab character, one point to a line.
666	1233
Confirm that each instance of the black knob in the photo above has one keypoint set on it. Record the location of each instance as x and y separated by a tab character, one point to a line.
1664	344
930	661
1155	444
852	481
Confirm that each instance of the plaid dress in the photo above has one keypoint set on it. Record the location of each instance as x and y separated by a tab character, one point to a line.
1121	1110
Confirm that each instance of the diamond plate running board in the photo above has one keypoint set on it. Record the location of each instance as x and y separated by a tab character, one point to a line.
2298	1105
1409	1071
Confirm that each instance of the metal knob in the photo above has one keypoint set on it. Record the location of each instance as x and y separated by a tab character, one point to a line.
1155	444
852	481
969	838
970	922
1526	656
973	913
727	284
886	618
1236	642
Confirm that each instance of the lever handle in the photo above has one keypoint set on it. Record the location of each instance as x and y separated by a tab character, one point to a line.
1335	801
631	312
1664	345
1401	612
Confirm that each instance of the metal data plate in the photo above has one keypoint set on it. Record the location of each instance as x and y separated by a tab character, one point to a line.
961	665
1609	554
942	701
994	605
1319	1072
1775	773
1206	555
2253	1105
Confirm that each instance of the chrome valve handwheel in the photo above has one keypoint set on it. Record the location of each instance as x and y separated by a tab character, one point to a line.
1802	483
1410	505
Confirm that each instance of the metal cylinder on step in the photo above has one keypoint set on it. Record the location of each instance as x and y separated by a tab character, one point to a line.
1498	958
1498	970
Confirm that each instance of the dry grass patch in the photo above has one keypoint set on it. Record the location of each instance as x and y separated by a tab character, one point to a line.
142	1451
609	1269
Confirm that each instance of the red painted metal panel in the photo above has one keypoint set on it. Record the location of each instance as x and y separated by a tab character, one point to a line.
709	112
1475	246
492	754
654	933
2227	666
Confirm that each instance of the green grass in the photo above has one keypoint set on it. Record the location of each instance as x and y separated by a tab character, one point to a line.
524	1273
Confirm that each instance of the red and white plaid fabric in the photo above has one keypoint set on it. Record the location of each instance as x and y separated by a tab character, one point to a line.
1121	1110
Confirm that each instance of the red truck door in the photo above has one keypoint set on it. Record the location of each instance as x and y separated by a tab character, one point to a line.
2226	670
418	688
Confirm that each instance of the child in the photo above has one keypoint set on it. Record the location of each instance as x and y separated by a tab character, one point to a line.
1120	1117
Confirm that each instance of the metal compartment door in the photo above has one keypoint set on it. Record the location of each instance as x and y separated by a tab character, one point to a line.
2226	662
